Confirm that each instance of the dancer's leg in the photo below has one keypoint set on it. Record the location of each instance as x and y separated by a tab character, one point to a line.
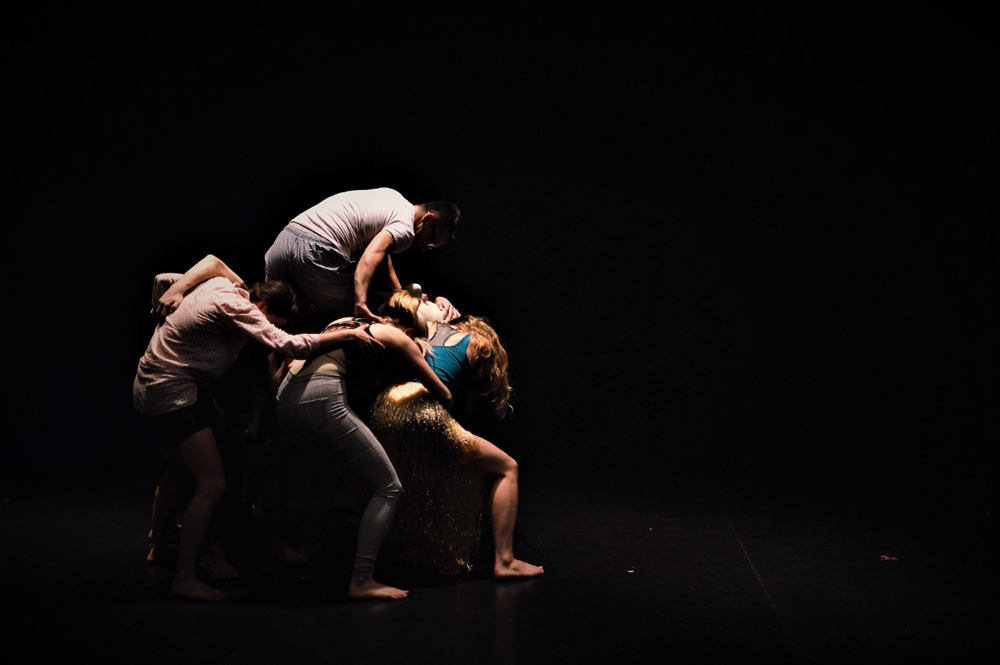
503	511
200	457
166	503
314	412
364	457
273	498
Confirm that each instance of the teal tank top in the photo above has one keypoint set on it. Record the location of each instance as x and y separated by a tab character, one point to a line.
450	363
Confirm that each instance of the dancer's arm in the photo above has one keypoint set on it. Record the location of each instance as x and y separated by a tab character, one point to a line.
406	349
387	272
207	268
358	336
376	252
252	323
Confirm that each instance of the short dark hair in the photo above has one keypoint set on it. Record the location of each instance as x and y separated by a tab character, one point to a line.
446	215
279	296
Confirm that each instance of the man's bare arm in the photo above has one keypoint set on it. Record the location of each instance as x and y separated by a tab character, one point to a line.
386	274
391	276
376	252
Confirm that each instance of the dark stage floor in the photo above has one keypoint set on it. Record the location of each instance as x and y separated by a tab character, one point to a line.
636	568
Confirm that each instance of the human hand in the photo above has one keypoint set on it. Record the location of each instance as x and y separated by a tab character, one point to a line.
364	340
362	312
448	311
168	303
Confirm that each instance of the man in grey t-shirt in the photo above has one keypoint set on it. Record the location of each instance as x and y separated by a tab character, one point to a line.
330	253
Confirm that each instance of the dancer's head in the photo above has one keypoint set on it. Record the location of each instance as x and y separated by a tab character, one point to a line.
275	300
431	312
434	224
403	311
489	364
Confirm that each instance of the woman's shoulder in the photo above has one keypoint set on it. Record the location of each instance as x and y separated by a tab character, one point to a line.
345	322
384	330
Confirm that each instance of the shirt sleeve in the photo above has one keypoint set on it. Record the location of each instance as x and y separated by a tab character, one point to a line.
401	225
251	322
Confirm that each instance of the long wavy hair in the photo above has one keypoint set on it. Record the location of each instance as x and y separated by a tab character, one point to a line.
489	366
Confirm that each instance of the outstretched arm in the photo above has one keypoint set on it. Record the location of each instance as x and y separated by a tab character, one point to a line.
251	321
376	252
357	336
207	268
407	351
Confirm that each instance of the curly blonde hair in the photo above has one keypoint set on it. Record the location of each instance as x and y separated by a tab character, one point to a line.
489	366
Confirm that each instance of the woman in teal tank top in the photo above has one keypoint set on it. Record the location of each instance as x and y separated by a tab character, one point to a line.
438	522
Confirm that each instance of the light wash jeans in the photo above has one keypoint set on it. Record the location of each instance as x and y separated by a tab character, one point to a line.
315	418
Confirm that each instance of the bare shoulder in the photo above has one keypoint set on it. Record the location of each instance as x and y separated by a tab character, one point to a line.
389	335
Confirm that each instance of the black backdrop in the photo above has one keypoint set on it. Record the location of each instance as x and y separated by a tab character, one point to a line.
749	240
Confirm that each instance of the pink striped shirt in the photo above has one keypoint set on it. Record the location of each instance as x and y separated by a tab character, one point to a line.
201	340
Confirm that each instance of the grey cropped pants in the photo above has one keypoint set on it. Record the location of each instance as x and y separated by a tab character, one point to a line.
314	416
319	273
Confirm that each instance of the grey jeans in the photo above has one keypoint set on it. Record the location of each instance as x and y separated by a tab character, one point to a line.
314	415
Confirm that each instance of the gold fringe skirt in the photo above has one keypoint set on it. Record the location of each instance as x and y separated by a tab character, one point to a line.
439	516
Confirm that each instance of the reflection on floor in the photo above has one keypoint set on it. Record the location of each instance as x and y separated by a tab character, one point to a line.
634	566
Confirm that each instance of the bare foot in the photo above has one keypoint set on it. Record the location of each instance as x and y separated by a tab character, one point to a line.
214	563
286	554
514	569
196	590
366	588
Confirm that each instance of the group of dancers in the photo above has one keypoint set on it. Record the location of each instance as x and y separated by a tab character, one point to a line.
408	364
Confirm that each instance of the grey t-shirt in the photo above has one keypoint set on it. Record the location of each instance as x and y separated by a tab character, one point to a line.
350	220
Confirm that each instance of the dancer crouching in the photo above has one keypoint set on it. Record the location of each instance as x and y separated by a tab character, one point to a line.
208	316
318	422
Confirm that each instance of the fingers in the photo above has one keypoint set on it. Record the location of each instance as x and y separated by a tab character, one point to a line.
367	340
448	311
164	307
362	311
376	343
158	311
